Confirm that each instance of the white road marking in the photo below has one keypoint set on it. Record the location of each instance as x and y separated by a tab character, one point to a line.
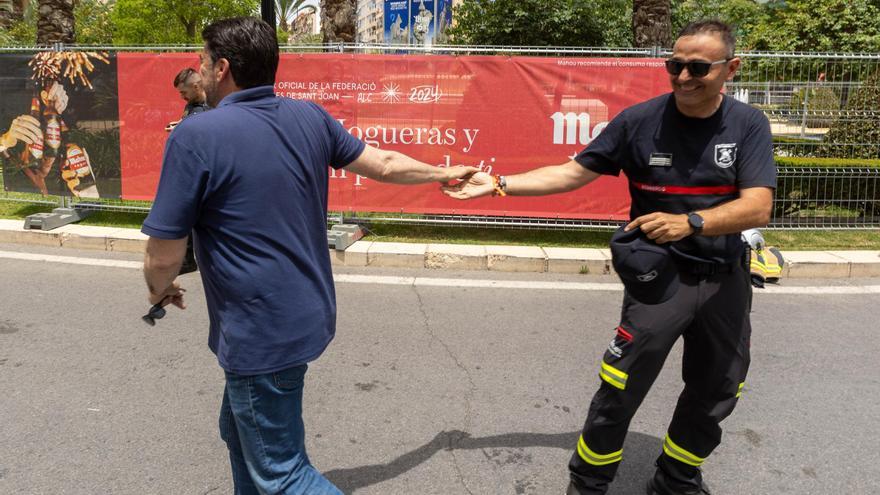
71	260
583	286
343	278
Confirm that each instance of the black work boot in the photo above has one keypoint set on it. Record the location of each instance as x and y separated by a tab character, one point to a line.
660	485
575	489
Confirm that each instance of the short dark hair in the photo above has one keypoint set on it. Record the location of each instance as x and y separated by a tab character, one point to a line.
712	26
249	44
183	76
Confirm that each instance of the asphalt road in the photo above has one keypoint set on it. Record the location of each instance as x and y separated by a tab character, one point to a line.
444	389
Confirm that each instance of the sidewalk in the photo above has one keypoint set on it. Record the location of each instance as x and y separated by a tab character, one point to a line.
798	264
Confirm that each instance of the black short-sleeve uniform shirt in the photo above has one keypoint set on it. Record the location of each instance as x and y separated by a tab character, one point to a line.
679	164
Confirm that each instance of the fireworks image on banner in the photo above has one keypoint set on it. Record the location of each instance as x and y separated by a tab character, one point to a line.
52	66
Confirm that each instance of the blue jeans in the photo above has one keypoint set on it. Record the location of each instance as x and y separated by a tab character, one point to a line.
261	423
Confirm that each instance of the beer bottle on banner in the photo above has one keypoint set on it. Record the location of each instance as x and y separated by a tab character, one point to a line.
53	134
33	153
77	172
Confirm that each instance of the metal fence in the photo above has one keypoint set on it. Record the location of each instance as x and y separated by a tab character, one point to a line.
815	102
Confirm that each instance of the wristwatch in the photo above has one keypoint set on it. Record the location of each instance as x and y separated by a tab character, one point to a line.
696	222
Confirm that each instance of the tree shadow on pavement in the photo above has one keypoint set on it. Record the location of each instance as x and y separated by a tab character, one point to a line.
640	451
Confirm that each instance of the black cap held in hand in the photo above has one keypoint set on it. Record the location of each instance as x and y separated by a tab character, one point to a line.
647	269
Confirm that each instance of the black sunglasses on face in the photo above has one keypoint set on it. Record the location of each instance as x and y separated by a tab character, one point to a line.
696	68
156	312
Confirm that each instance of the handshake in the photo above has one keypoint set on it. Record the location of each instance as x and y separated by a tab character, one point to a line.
473	184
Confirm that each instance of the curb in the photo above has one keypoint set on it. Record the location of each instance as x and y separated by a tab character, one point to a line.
525	259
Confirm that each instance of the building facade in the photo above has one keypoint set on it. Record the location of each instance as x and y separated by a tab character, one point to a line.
370	21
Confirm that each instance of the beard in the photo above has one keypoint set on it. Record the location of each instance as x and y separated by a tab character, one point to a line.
211	93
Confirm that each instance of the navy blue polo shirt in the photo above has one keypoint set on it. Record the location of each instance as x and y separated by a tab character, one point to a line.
250	179
679	164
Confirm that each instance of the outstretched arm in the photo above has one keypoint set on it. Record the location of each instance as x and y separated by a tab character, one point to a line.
397	168
537	182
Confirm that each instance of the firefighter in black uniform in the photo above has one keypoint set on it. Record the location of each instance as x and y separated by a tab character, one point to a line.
701	170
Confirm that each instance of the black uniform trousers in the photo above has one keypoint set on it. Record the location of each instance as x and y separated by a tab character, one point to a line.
711	313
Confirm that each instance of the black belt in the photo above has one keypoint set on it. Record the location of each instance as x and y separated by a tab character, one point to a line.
697	268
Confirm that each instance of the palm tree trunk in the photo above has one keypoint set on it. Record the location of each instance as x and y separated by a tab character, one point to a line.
339	20
652	23
7	13
55	22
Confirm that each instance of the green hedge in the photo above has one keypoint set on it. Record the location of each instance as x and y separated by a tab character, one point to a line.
793	140
814	195
812	162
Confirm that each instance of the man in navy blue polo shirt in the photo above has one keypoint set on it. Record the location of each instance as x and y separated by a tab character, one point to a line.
250	180
701	170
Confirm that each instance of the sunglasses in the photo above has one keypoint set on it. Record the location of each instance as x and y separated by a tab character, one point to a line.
156	312
695	68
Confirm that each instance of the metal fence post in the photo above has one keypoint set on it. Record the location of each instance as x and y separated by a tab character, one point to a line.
806	107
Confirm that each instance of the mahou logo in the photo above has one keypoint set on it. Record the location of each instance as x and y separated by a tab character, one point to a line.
76	160
425	94
574	128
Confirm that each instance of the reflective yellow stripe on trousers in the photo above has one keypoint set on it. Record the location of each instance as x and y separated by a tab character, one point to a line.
595	459
680	454
613	376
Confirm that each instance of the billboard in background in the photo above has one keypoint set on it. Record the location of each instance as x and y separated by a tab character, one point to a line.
59	124
417	22
397	22
442	22
503	114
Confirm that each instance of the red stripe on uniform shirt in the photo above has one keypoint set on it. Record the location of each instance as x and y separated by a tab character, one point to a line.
692	190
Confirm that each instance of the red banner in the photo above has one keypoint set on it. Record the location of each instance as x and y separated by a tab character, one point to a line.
506	115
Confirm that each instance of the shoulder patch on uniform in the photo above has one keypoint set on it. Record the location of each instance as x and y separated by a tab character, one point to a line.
725	154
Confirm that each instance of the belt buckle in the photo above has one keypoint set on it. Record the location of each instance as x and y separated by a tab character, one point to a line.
705	268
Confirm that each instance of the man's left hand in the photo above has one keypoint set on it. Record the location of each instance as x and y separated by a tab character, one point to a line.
174	293
663	227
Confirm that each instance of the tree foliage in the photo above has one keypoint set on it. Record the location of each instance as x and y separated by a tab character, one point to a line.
541	23
139	22
818	26
789	25
94	24
23	29
857	125
742	15
287	10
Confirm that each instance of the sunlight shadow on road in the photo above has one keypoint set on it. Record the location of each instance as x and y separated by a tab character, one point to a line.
639	453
